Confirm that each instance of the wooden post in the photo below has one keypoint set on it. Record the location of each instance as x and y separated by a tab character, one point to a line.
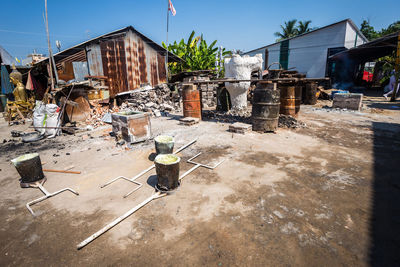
50	53
397	70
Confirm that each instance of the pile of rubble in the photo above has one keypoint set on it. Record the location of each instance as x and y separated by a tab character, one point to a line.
97	114
154	100
287	121
244	116
229	116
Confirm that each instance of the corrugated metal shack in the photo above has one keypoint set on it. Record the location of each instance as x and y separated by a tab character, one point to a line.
125	57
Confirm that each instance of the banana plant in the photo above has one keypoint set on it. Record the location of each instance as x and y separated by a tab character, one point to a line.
196	54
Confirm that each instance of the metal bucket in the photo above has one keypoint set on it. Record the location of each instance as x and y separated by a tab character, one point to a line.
167	169
191	101
265	111
164	144
29	167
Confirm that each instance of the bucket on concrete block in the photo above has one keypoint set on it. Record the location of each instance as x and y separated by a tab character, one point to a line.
29	167
164	144
167	169
265	111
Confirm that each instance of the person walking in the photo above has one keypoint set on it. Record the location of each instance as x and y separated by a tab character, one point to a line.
392	84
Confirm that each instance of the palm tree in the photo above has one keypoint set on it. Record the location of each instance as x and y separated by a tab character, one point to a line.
304	26
289	30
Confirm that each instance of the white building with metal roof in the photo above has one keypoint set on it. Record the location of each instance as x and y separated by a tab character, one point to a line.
308	53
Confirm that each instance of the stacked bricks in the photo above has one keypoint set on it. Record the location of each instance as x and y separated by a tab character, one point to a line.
208	90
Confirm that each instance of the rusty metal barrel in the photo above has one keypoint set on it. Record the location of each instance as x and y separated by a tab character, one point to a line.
297	97
288	100
191	101
310	92
265	111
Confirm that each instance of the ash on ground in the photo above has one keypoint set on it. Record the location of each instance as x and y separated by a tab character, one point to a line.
229	117
244	116
287	121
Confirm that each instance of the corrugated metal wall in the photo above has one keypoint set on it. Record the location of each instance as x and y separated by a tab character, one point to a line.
114	65
94	60
127	62
64	66
144	64
132	60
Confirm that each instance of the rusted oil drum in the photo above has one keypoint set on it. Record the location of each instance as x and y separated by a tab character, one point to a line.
310	97
167	169
265	111
288	100
191	101
297	97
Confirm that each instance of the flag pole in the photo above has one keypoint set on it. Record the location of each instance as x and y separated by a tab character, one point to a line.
166	57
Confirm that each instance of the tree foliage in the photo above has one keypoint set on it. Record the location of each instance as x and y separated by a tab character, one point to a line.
370	33
304	26
196	53
289	29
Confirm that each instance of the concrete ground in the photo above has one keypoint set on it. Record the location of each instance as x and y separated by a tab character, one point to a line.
324	195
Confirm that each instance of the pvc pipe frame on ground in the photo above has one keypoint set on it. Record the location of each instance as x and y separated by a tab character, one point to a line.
146	201
47	195
143	172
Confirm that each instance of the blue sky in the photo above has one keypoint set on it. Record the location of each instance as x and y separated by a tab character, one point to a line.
235	24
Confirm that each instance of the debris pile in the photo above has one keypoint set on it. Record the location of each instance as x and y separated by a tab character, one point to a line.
244	116
97	114
287	121
230	116
154	100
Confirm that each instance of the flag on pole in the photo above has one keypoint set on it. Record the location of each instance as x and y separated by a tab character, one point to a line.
171	8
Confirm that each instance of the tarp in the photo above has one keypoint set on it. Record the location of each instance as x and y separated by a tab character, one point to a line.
6	86
6	58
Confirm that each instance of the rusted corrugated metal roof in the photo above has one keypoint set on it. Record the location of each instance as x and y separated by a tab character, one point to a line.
72	50
126	57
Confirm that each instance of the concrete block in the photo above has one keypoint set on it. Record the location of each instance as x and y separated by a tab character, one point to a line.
349	101
189	121
239	127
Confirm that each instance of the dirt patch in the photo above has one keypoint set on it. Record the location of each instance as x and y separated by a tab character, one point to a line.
259	159
17	148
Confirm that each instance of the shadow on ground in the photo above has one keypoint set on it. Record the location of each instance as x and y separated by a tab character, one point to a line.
377	100
385	220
